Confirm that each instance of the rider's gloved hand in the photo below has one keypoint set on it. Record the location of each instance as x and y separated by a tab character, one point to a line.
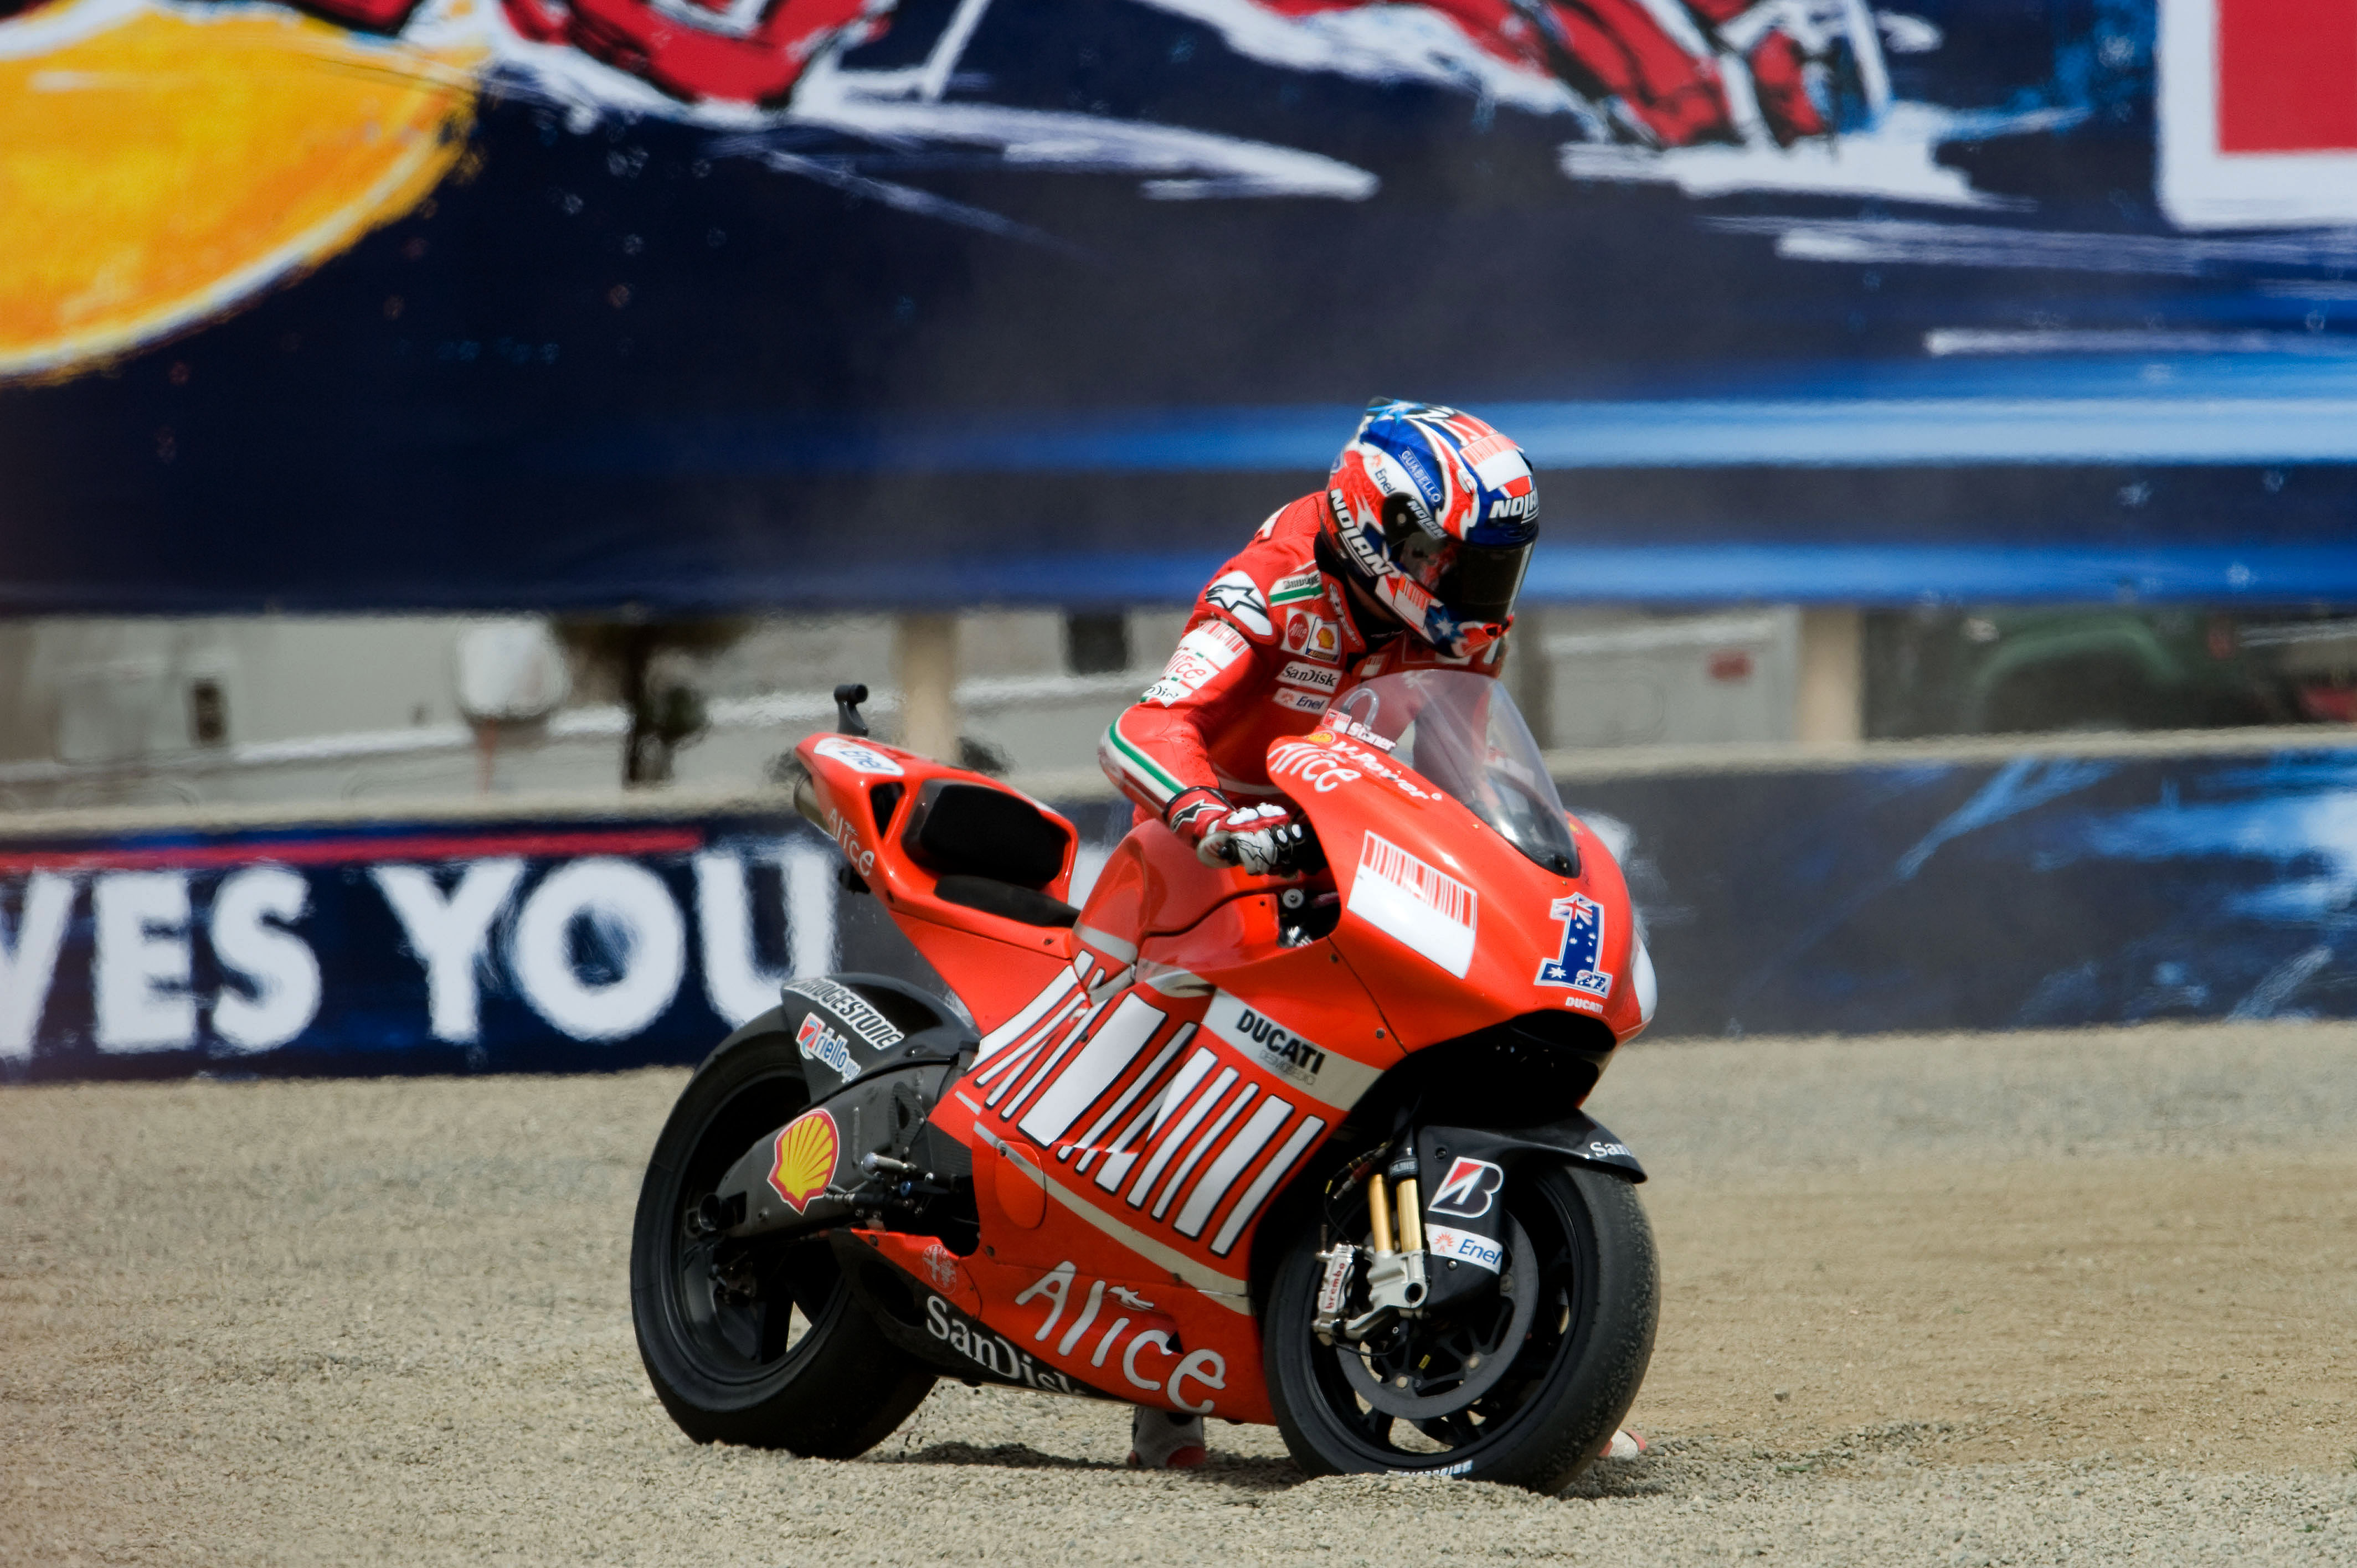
1194	815
1267	841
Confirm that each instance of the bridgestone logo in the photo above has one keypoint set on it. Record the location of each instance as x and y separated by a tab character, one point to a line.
851	1007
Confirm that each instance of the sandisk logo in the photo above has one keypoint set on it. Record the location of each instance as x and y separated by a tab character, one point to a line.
1299	672
1468	1190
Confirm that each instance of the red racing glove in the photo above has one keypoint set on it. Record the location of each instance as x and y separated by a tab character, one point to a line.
1267	841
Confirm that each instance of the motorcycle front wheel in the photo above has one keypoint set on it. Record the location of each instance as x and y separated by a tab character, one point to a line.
760	1342
1572	1322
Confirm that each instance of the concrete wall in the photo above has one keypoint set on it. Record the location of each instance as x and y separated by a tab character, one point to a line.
102	713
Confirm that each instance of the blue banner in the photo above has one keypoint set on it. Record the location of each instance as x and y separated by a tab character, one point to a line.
2043	892
513	944
2034	893
696	305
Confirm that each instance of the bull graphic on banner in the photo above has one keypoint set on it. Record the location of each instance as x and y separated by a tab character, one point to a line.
292	132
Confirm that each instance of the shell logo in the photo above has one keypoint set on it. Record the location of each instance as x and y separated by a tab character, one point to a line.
806	1161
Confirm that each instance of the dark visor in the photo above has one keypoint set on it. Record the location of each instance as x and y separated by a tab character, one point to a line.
1482	580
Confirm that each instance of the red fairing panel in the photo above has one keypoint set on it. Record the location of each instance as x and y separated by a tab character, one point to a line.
1450	927
1137	1122
864	790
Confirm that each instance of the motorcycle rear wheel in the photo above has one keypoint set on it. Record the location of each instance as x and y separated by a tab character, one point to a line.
1587	1255
754	1342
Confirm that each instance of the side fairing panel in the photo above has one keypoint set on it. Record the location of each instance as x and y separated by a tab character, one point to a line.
1450	927
1135	1133
992	976
860	794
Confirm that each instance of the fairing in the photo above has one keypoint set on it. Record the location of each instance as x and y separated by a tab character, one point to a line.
859	792
1454	912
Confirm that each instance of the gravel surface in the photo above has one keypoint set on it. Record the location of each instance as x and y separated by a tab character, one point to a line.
1968	1300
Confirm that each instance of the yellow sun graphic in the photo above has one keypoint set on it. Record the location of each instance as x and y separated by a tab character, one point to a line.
159	167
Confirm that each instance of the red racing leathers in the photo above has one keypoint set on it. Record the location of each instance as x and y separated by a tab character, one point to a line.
1271	641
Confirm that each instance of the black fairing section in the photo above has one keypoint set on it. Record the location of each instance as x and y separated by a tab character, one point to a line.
1463	1172
866	1024
1578	1139
883	1114
1528	1071
878	1054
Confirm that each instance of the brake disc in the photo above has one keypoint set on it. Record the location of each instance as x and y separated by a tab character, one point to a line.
1435	1365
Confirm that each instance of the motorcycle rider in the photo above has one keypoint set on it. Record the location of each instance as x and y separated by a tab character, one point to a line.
1411	557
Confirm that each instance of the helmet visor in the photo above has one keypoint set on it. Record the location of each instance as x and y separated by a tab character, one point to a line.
1482	580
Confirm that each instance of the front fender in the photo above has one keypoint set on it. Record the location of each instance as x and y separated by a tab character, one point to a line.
1578	1139
1463	1170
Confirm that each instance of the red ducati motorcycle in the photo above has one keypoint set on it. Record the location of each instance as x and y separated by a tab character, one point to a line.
1307	1152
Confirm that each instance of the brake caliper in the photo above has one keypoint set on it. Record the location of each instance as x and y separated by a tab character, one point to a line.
1333	1289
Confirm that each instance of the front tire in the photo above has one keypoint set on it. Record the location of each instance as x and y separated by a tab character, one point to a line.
759	1342
1576	1314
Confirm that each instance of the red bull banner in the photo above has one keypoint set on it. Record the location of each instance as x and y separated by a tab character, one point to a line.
712	303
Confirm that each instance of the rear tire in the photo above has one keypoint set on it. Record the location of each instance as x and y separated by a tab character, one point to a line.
1585	1249
756	1342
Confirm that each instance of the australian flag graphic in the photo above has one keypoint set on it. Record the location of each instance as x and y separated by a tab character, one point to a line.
1583	941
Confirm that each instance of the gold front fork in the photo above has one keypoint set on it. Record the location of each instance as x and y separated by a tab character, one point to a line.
1411	1218
1395	1278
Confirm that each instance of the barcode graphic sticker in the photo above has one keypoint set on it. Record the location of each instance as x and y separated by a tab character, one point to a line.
1421	904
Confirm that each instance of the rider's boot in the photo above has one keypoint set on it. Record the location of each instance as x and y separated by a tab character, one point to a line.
1165	1440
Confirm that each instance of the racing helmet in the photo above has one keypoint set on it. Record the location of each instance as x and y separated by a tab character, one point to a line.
1435	513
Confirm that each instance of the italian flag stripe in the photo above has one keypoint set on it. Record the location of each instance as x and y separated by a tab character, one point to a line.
1138	763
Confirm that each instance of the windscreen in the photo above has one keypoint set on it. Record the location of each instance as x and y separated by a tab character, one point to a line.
1463	734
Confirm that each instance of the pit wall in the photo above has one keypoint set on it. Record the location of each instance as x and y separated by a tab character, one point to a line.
1880	889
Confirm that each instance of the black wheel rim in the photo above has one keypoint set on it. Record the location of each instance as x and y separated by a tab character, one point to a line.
1426	1429
1427	1368
741	1310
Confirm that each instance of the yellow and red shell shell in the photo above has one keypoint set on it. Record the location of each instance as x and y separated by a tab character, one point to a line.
805	1162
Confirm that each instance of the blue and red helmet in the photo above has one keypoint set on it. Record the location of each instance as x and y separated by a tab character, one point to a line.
1435	513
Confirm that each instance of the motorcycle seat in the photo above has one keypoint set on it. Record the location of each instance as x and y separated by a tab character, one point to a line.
989	848
992	896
